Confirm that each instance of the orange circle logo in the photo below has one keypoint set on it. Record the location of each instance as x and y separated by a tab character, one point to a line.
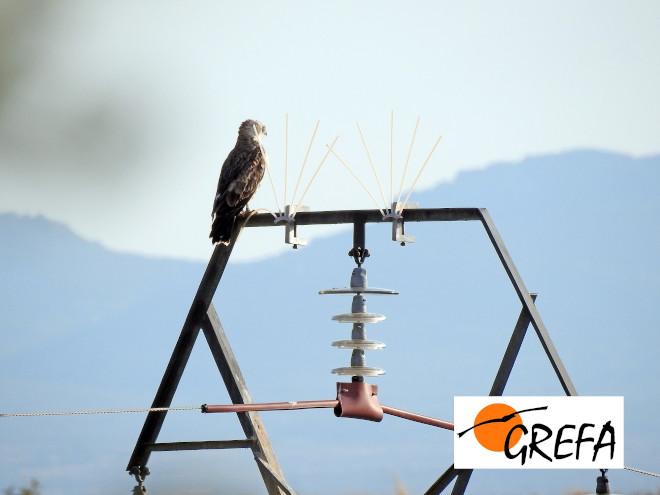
493	424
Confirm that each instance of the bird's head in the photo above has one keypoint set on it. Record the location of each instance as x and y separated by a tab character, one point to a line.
252	129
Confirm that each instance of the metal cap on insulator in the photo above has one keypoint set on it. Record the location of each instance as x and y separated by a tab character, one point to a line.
359	277
359	304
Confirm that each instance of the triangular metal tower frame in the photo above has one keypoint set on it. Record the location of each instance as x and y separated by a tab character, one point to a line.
202	316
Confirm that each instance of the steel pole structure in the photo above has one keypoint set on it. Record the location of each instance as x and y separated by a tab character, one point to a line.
529	313
182	350
202	315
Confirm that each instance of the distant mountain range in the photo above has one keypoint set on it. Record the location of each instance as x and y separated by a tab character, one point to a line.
85	328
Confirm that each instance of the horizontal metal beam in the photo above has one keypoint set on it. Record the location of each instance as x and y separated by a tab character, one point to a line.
210	444
370	216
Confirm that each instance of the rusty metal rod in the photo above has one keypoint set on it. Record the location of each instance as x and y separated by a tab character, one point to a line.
270	406
418	417
319	404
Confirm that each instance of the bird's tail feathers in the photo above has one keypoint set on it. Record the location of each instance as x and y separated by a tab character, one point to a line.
221	229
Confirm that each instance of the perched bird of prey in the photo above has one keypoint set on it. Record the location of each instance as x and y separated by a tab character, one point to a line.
240	176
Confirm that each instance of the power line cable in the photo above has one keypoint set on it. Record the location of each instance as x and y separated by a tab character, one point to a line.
107	411
187	408
648	473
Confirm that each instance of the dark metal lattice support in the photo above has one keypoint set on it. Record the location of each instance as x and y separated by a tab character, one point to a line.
501	378
202	315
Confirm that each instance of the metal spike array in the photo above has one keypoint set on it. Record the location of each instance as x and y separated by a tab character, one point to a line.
359	317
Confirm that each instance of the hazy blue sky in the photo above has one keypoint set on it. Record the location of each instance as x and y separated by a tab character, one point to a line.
115	117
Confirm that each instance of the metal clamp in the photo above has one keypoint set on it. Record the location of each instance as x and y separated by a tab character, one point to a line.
359	254
358	400
140	473
290	234
398	228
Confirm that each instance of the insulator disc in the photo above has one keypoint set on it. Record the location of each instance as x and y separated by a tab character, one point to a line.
358	290
358	371
358	344
359	318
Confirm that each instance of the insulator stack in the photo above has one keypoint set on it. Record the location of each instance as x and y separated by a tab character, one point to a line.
359	317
